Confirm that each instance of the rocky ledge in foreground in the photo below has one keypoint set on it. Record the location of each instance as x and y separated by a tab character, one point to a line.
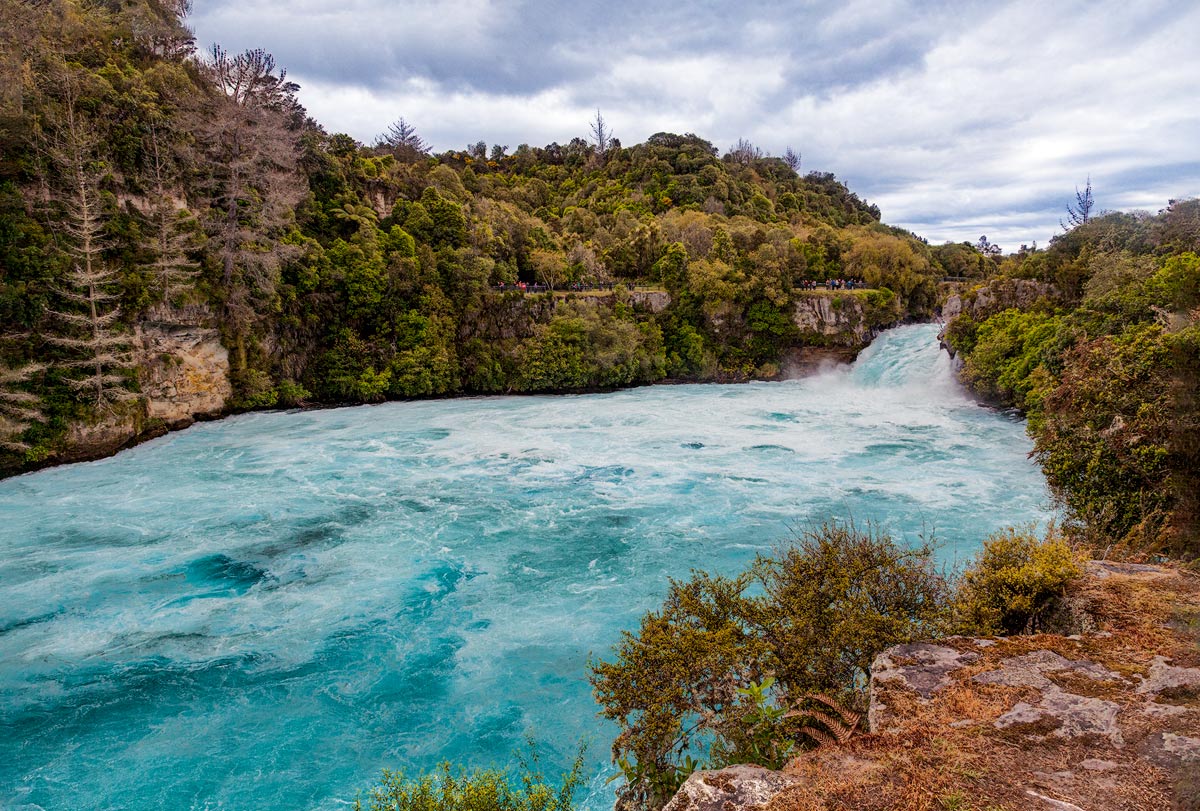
1103	720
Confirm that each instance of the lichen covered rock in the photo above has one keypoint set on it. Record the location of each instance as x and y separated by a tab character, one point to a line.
184	373
745	788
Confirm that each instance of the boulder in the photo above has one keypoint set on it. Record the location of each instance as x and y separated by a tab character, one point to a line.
744	788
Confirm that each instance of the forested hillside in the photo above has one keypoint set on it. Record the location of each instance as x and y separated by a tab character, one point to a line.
1097	340
144	183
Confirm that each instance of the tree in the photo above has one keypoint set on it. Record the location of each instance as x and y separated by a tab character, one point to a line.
18	408
404	142
810	618
158	24
987	247
792	159
1081	212
92	327
174	271
246	133
549	267
601	134
744	152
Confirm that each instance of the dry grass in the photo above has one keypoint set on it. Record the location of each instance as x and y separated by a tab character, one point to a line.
946	755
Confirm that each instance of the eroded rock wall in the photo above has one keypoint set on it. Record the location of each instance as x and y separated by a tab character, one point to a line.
183	375
833	321
184	372
995	296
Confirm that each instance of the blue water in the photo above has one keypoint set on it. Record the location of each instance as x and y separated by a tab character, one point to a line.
266	611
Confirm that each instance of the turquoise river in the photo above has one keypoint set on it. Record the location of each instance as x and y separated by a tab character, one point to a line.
266	611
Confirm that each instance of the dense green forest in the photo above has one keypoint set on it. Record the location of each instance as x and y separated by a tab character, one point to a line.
142	181
1103	356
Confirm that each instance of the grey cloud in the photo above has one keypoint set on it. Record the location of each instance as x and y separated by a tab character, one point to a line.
957	118
516	47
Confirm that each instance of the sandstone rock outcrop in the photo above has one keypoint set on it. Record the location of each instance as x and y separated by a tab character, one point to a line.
996	295
832	320
183	375
184	372
751	788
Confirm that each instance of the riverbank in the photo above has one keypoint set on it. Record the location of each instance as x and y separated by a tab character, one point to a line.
185	369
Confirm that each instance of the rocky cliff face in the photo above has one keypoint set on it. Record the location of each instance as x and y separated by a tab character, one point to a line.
1105	720
833	328
184	373
833	321
996	296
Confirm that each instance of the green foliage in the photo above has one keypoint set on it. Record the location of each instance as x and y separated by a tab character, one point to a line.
760	737
836	598
1014	580
290	394
1109	435
725	661
1012	355
584	346
1110	383
253	388
450	789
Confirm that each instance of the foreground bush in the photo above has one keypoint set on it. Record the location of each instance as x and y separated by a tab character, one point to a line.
1014	581
745	669
480	790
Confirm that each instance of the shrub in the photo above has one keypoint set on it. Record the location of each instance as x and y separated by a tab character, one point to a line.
726	663
1013	582
449	789
291	394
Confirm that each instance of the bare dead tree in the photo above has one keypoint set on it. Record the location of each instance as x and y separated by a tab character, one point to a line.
17	28
1080	212
253	183
602	136
18	408
744	152
91	322
792	159
174	271
591	268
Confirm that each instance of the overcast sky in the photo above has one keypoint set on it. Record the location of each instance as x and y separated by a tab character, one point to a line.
957	118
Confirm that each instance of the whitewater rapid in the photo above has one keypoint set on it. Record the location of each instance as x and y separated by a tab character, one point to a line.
268	610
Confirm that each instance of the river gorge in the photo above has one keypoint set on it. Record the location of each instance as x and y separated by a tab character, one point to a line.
264	612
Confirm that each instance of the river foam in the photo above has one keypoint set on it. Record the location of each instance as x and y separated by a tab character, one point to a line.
265	611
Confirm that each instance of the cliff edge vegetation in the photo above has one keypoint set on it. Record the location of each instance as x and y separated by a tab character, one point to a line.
1096	339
